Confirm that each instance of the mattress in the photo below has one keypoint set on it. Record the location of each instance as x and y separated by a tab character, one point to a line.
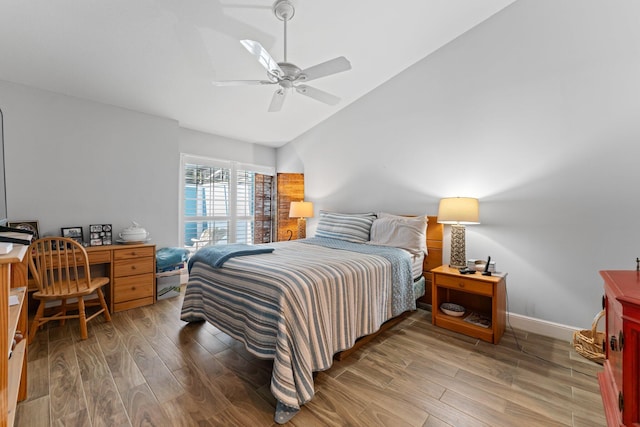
419	287
416	265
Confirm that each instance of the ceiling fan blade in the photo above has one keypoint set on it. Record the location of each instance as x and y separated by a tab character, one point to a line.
277	100
317	94
241	82
333	66
263	57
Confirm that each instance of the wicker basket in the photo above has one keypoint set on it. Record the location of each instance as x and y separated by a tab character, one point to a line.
589	342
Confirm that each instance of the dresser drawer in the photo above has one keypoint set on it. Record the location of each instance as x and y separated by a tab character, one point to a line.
134	287
128	267
134	252
468	285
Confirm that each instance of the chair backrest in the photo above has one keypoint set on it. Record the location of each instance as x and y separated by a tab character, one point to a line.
206	235
211	236
59	261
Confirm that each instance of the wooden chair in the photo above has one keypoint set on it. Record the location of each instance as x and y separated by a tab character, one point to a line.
60	268
210	236
205	238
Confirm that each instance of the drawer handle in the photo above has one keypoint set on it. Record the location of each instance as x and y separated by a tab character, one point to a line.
133	267
133	288
620	401
461	284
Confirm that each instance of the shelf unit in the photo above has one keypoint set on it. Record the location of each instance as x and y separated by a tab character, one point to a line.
481	294
13	370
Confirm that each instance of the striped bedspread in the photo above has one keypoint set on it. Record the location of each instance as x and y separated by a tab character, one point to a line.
301	304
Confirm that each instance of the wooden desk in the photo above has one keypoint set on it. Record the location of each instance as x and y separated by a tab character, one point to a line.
130	268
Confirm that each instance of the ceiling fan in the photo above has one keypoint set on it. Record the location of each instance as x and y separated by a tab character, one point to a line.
285	74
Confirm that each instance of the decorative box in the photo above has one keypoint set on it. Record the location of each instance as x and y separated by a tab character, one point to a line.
168	284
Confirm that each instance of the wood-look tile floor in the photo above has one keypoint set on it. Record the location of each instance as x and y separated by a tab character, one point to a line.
148	368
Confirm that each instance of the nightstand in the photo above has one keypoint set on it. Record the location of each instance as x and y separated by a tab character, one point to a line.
476	293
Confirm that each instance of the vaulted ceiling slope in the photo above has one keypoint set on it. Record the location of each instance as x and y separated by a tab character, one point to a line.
160	56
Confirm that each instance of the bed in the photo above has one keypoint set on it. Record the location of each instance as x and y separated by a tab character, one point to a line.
302	302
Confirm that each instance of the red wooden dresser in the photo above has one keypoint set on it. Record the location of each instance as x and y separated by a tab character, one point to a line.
620	380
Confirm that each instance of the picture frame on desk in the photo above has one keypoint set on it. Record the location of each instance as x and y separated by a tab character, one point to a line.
74	233
100	234
31	226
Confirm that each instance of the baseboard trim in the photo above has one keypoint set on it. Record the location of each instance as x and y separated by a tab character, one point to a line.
541	327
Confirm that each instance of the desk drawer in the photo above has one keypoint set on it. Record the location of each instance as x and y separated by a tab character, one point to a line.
134	252
127	267
134	287
99	257
468	285
121	306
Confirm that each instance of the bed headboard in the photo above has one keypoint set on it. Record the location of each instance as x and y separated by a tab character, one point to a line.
434	256
434	244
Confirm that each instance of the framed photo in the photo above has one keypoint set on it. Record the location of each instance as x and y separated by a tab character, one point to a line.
74	233
99	234
31	226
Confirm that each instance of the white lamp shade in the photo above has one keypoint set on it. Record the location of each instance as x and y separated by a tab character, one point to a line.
458	210
301	210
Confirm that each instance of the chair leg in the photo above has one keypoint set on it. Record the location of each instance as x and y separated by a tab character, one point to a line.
83	319
35	325
103	303
63	310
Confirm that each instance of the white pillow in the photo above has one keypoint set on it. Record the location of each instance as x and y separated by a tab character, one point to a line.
408	233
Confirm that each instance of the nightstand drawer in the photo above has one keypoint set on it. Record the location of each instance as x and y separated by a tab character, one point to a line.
127	267
468	285
134	252
133	287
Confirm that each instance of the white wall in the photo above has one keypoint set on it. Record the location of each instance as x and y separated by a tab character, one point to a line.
219	147
535	112
71	162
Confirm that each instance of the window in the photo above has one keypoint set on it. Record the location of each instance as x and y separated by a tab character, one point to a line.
224	202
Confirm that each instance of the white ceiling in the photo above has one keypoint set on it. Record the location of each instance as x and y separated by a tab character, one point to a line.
160	56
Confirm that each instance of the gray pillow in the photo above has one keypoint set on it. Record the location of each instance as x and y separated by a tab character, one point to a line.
342	226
